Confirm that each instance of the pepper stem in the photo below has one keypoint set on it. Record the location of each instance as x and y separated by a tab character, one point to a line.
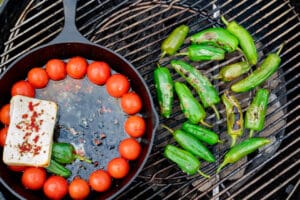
224	20
205	123
203	174
220	141
251	133
221	166
182	54
168	128
233	140
280	48
162	55
216	111
82	158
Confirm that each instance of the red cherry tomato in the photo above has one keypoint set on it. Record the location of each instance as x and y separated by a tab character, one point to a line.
33	178
4	114
77	67
117	85
131	103
100	180
3	134
56	69
130	149
79	189
135	126
38	77
23	88
118	168
98	72
17	168
55	187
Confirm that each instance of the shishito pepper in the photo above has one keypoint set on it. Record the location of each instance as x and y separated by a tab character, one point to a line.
191	144
208	94
204	134
234	116
175	39
186	161
256	112
64	153
218	37
164	85
245	40
241	150
189	105
203	52
268	67
233	71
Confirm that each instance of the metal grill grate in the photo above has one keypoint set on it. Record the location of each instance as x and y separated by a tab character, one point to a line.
135	29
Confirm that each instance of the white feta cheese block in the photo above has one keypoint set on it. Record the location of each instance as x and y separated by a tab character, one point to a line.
30	134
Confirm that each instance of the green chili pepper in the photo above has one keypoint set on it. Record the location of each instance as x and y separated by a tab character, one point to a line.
201	133
206	91
268	67
255	114
234	116
64	153
203	52
216	36
164	89
58	169
245	40
174	41
186	161
233	71
191	144
189	105
241	150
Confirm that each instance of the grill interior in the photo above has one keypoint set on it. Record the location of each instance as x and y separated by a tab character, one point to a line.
135	29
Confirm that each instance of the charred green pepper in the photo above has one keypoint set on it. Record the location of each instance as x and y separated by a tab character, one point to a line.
174	40
189	105
256	112
186	161
233	71
206	135
58	169
191	144
245	40
164	85
234	116
241	150
203	52
216	36
65	153
268	67
206	91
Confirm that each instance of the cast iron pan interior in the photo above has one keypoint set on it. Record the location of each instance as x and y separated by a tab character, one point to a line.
68	44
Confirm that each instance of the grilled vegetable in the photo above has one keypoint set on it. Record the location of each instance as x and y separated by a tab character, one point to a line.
164	89
201	133
186	161
255	114
206	91
58	169
233	71
174	41
268	67
241	150
218	37
189	105
245	40
191	144
64	153
203	52
234	116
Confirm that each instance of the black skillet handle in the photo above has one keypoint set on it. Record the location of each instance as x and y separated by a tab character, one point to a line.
70	32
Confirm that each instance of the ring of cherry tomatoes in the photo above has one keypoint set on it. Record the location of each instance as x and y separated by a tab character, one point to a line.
118	86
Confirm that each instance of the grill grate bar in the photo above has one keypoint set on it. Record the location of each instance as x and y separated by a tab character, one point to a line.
294	190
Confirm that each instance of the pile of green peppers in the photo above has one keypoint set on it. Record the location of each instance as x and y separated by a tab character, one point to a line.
213	44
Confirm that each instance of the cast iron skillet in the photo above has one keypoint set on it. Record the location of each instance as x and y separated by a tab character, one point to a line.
67	44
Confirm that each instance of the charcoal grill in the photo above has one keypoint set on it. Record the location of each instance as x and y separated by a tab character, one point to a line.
135	29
